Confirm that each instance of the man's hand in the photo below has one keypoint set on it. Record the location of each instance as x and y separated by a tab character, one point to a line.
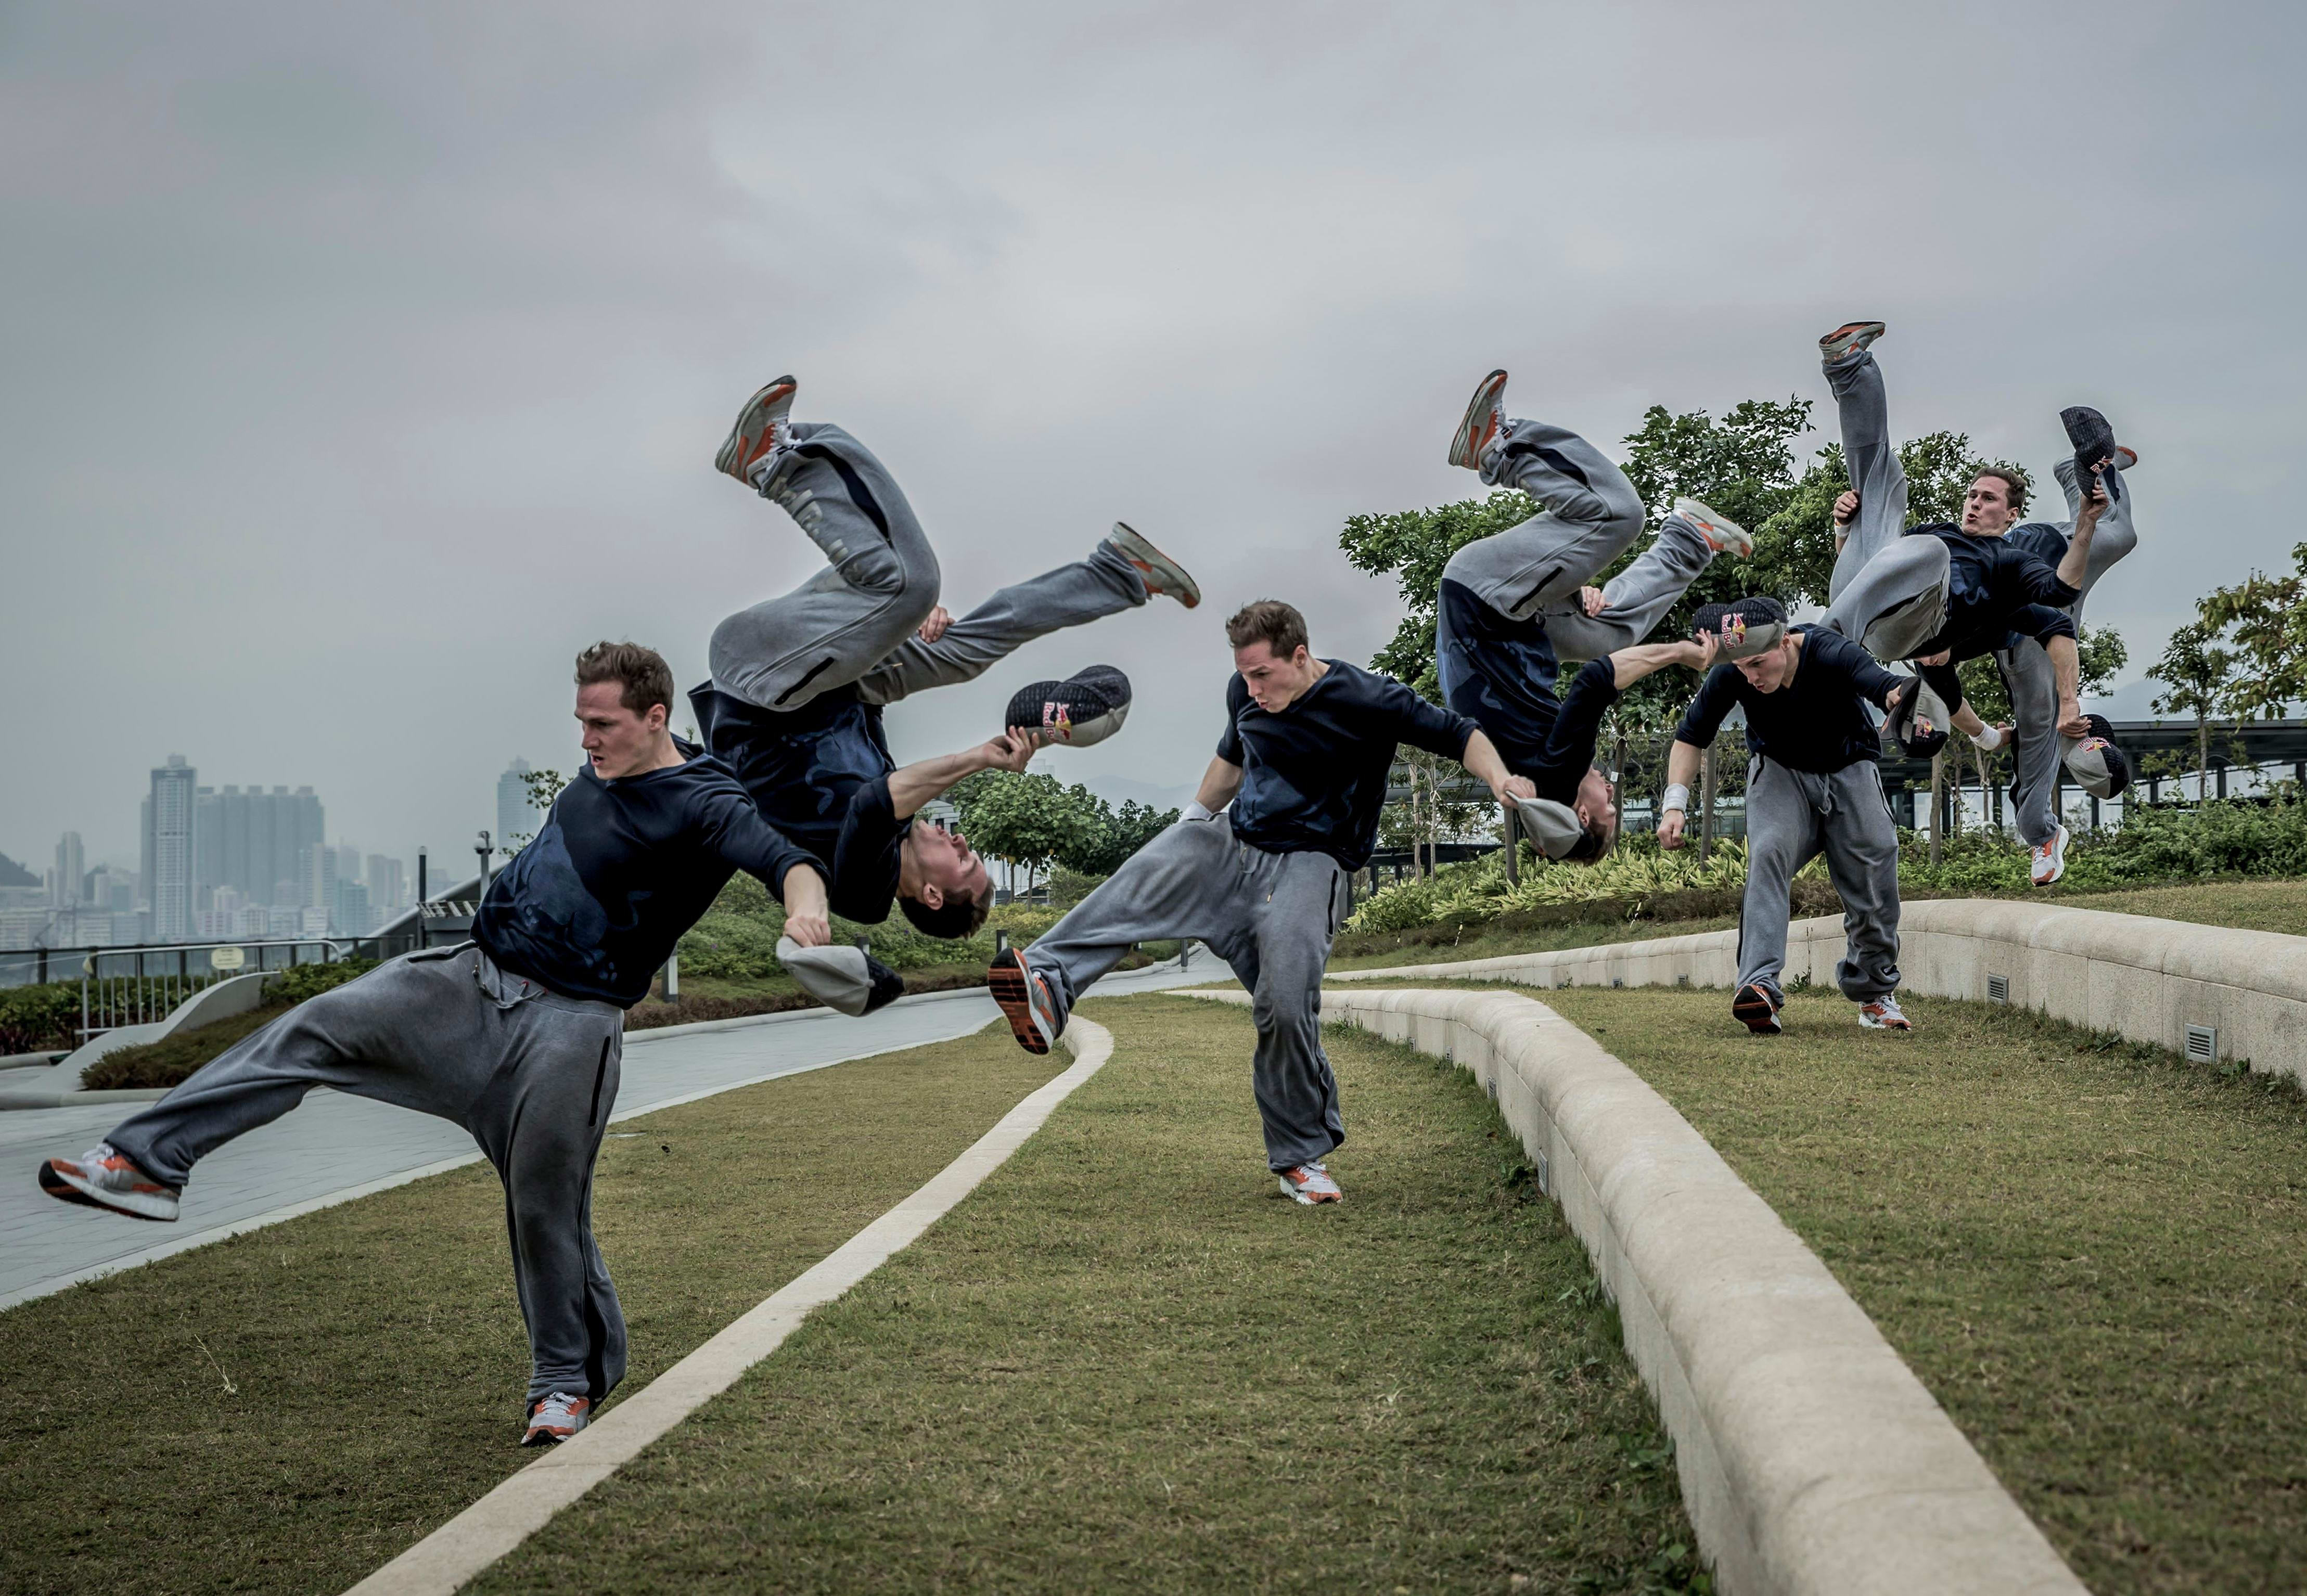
2072	723
2095	501
808	921
1898	695
1702	653
1011	750
1591	601
1514	786
933	628
1845	507
1670	829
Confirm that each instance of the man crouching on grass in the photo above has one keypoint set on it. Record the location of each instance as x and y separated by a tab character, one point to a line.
1303	761
517	1035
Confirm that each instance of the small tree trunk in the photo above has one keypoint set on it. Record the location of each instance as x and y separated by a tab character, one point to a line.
1938	802
2202	757
1706	805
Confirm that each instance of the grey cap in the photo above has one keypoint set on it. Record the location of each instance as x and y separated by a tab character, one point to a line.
1552	827
845	979
2099	767
1745	627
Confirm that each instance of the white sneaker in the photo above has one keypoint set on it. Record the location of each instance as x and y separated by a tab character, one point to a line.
1310	1183
101	1178
2051	858
1848	339
1164	577
1883	1014
554	1419
760	428
1482	426
1722	535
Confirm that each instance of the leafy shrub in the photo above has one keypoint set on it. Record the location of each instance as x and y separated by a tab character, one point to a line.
40	1018
300	981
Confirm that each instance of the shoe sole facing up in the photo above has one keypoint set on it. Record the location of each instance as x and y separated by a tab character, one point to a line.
1755	1014
58	1184
1011	988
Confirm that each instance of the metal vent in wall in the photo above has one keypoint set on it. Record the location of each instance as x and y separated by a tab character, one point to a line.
1545	1175
2202	1043
1998	988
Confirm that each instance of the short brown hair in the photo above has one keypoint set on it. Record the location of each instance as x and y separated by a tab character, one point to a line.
2014	485
1278	625
956	918
641	672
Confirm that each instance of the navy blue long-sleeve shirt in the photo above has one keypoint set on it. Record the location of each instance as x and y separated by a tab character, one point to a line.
1817	721
594	905
1995	586
819	774
1500	672
1313	776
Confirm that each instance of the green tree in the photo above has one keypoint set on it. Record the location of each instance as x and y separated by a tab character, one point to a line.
1027	821
543	786
1111	835
2199	678
2265	617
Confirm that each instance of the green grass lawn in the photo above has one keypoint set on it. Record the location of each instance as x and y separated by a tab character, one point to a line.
2252	905
1126	1363
285	1411
2093	1254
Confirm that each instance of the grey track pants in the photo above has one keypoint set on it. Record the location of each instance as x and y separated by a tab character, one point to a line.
2027	673
1592	515
856	619
1271	916
1793	816
533	1075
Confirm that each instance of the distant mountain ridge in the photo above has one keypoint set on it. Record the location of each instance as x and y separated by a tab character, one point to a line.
13	874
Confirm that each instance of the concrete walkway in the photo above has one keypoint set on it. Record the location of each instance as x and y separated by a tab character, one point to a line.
336	1146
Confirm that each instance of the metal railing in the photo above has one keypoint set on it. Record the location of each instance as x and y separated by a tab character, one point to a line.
136	986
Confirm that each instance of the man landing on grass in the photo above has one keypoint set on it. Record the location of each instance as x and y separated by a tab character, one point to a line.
1303	761
516	1036
1813	786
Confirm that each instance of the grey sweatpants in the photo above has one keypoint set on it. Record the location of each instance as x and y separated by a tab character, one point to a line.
1592	515
532	1073
1271	916
2027	673
1793	816
856	619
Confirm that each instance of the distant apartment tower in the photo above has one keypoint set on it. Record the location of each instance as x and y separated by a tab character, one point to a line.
516	815
65	880
388	884
316	876
169	847
254	842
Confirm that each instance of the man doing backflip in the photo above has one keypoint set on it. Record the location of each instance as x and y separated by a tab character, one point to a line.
1981	588
1813	786
1513	605
517	1035
1303	761
799	681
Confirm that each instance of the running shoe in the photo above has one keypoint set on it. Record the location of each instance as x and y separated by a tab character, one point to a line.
1722	535
1743	628
2125	456
1087	706
1164	576
1310	1183
101	1178
1026	1001
1848	339
1485	423
760	425
552	1419
1883	1014
1756	1007
2051	858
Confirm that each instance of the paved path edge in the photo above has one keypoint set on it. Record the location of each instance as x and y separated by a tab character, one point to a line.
469	1543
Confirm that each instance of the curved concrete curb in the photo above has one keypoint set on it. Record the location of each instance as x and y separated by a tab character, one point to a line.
236	994
2149	980
523	1505
1812	1460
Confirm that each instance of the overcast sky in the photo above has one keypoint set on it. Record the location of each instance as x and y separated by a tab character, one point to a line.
364	362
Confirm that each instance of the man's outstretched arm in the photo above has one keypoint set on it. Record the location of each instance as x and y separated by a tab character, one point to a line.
1482	759
1630	666
1220	782
2076	563
913	785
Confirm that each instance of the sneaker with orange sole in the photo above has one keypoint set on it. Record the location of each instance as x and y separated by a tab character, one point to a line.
1483	424
1310	1183
1026	1001
1164	577
554	1419
759	425
102	1178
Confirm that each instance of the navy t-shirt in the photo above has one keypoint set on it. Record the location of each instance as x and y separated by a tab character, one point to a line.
1500	674
1992	583
593	906
1817	721
1313	777
813	773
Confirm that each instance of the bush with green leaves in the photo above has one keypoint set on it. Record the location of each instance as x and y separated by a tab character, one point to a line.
40	1018
737	939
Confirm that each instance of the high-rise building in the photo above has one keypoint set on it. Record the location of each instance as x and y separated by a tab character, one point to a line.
348	862
350	915
316	876
72	869
516	815
252	840
168	845
387	885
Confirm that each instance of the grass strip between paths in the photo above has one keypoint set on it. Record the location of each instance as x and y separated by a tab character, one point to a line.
2093	1254
1127	1364
287	1409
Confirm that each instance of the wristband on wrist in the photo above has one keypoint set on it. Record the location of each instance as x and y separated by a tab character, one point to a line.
1989	739
1677	796
1198	810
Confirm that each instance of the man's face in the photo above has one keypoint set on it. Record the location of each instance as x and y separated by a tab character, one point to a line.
945	863
1598	808
1986	509
616	740
1769	671
1273	683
